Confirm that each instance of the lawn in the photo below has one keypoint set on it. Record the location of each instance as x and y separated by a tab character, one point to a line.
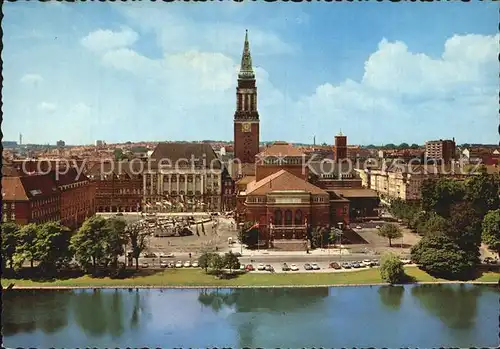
197	277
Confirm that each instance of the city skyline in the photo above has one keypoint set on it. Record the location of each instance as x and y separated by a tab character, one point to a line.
132	72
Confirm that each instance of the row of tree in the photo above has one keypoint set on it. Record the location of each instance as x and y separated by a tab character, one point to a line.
97	244
216	263
454	217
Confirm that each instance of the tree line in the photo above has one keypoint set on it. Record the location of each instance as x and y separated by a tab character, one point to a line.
96	246
453	217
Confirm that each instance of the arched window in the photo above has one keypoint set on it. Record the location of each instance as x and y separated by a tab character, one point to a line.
278	217
288	217
298	217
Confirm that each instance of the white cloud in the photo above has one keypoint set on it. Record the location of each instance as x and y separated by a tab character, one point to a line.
177	33
465	64
31	79
103	40
184	88
47	107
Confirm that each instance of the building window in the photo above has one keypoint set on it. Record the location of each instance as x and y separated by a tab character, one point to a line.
288	217
298	217
278	217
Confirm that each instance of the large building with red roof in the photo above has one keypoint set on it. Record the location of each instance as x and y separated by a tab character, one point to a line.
30	199
67	197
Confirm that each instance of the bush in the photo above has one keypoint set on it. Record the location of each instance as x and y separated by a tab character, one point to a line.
391	268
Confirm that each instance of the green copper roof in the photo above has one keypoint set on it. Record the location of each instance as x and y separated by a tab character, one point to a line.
246	70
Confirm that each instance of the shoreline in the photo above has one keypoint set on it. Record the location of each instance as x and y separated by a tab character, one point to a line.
174	287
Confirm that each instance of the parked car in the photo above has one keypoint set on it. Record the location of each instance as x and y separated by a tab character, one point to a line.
170	255
249	267
242	266
356	265
150	255
293	267
367	263
334	265
307	266
163	265
195	265
178	264
405	261
268	267
261	267
285	267
377	227
346	265
375	262
358	227
144	265
187	264
315	266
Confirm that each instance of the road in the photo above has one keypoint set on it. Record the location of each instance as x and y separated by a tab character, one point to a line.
273	259
310	258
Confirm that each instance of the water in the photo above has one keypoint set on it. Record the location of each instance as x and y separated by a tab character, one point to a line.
411	316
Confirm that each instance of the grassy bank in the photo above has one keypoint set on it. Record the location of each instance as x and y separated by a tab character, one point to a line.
196	277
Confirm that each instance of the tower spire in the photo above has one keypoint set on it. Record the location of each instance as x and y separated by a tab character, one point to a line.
246	70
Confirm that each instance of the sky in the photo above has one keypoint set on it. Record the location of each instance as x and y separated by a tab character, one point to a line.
380	72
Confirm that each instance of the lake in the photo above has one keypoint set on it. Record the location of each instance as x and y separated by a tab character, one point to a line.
398	316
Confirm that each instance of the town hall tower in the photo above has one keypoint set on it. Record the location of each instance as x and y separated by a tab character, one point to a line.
246	117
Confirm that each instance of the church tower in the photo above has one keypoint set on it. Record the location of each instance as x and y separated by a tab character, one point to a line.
246	117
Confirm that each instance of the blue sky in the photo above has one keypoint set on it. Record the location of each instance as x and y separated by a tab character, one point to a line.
381	72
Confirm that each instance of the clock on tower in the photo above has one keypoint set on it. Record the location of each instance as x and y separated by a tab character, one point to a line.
246	127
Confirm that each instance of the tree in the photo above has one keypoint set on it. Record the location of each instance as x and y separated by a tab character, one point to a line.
439	195
216	263
390	231
441	256
53	246
334	235
10	233
319	235
391	268
483	191
403	146
414	146
137	240
231	261
26	248
204	260
90	243
435	224
250	235
116	239
465	229
491	231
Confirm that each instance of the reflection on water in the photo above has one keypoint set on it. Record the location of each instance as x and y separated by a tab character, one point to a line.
97	313
391	296
246	300
450	315
28	311
456	306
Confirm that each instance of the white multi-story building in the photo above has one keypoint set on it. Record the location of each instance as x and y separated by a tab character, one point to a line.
405	182
186	175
